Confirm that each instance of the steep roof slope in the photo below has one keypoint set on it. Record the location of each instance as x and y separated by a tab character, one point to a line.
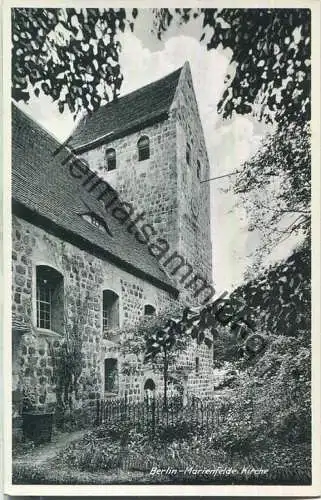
41	185
147	103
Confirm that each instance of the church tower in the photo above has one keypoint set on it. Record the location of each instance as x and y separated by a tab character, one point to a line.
149	145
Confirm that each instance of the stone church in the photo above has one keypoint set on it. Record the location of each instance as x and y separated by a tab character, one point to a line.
69	251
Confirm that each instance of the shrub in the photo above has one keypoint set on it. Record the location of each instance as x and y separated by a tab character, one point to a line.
272	402
176	431
92	454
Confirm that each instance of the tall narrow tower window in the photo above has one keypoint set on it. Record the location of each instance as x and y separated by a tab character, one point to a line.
198	169
143	148
110	159
188	153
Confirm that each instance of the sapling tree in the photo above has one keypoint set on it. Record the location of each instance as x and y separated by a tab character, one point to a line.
163	345
155	341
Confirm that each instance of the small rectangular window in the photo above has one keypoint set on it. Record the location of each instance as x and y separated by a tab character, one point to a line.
111	159
111	375
149	310
197	364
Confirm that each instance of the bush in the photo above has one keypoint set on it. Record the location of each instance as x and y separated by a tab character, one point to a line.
176	431
272	402
92	454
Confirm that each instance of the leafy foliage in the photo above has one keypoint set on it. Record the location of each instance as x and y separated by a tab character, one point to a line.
68	356
270	63
158	340
137	338
71	55
68	54
86	455
280	298
274	186
29	397
275	406
226	347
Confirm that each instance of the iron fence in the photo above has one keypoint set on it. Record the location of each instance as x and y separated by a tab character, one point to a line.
155	413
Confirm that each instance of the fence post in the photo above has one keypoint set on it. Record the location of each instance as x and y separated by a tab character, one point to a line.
153	415
126	402
98	412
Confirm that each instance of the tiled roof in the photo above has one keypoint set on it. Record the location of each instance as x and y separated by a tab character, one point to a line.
44	187
138	107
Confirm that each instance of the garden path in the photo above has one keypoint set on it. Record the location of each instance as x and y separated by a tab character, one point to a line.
44	452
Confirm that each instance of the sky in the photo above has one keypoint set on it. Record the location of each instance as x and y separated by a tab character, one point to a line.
229	143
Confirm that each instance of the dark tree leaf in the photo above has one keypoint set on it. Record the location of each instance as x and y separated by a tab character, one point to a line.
258	40
36	61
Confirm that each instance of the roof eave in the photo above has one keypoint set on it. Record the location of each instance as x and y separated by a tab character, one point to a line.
35	218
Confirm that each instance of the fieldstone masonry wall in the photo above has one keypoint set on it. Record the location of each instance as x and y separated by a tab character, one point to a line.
32	361
149	185
82	272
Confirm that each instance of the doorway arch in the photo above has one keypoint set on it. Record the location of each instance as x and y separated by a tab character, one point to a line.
149	391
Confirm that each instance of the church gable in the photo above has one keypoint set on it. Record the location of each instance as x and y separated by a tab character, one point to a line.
185	108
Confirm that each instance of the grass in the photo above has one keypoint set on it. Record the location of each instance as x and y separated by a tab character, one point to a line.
116	456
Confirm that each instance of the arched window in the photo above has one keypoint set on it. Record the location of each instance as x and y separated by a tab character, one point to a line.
110	310
149	385
143	148
111	375
198	169
188	153
110	159
50	299
149	310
